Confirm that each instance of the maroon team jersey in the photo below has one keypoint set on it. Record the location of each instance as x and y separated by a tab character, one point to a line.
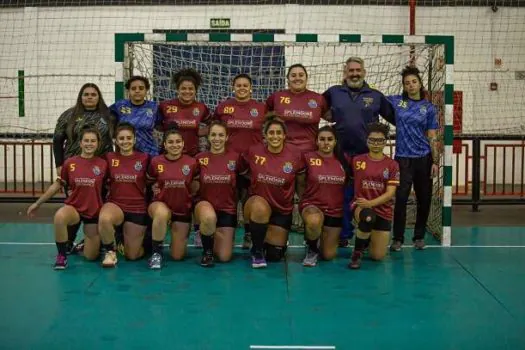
218	180
127	181
172	182
272	175
244	121
188	118
85	178
371	178
302	113
325	182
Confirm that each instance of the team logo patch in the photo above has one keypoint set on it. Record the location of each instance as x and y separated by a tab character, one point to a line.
185	170
96	170
149	112
312	103
367	101
231	165
423	109
196	112
386	173
287	167
138	166
254	112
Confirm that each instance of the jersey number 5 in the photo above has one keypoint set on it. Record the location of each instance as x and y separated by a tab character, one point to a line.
72	167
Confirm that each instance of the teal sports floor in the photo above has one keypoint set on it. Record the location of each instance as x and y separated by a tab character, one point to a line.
469	296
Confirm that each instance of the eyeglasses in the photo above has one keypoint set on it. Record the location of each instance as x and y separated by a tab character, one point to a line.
376	141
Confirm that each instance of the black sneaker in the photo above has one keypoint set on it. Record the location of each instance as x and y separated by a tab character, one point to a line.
355	260
207	259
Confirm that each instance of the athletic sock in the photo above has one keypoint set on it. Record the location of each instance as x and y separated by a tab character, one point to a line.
157	246
313	245
258	232
360	244
207	243
62	248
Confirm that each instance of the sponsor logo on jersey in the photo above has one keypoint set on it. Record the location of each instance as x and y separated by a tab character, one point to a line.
217	179
84	181
185	170
138	166
287	167
331	179
270	179
231	165
367	101
254	112
386	173
96	170
294	113
312	103
239	124
196	111
186	124
372	185
125	178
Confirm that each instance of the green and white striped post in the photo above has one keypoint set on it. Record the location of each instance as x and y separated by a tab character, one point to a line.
447	41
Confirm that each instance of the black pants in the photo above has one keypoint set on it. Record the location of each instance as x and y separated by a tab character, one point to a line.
417	172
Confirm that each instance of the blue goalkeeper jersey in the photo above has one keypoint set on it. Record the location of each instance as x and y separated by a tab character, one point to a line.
144	118
413	120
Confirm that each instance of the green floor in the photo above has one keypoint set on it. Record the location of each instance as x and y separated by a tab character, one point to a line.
469	296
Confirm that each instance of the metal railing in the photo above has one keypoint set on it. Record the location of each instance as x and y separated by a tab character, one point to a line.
487	170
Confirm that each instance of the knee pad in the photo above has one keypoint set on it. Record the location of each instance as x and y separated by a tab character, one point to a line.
367	218
274	253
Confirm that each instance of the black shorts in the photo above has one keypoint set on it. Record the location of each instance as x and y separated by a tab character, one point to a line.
181	218
73	229
87	221
281	220
225	219
332	221
382	224
141	219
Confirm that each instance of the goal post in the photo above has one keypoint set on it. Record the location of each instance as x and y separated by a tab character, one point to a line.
265	56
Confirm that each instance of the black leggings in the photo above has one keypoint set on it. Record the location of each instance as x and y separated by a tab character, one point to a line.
417	172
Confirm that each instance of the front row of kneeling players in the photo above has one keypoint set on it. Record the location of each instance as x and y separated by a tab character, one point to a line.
205	185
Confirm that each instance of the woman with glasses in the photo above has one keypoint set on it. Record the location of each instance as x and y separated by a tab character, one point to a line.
376	177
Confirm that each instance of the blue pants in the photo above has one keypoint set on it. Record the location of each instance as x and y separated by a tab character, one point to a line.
348	229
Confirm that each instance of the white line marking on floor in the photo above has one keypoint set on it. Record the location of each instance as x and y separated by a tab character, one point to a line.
298	347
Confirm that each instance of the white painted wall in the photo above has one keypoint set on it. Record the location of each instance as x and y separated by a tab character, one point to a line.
61	48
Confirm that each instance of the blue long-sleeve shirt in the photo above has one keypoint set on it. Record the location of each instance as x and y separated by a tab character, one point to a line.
352	110
144	118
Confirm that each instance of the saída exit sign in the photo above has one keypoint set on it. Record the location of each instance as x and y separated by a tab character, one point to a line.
219	23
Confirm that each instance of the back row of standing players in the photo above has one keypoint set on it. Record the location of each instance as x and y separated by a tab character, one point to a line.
296	156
